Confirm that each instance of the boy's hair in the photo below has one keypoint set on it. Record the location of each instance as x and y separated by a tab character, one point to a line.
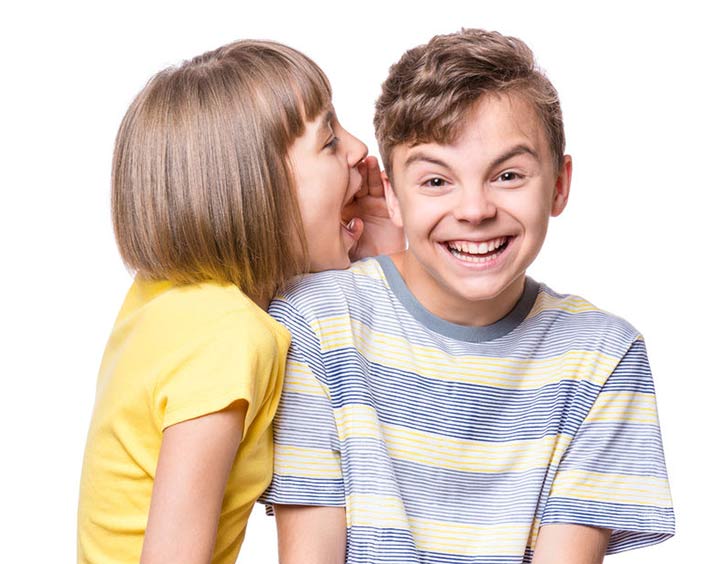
201	184
429	90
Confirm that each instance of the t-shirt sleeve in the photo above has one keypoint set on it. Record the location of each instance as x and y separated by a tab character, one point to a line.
613	474
307	459
233	358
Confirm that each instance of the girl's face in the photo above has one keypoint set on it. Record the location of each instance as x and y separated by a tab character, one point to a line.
323	162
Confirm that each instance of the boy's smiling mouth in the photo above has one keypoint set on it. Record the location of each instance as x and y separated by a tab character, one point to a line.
477	251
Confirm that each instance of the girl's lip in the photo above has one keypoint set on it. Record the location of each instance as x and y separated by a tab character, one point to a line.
354	187
348	227
353	229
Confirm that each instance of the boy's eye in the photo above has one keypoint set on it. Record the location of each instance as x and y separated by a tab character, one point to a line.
508	176
435	182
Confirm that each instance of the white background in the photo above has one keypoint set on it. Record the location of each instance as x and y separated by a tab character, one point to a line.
634	239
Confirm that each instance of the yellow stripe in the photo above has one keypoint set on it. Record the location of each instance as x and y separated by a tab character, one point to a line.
508	373
371	269
612	488
306	462
438	536
627	407
569	304
431	449
300	380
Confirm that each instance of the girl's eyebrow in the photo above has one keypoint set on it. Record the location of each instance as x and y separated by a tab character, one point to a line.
325	126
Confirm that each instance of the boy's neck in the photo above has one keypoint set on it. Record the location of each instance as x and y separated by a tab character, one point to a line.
446	305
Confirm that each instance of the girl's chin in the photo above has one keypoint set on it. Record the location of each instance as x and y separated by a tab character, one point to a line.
336	260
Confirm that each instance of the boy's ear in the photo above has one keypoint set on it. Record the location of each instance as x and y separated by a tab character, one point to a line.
391	200
562	186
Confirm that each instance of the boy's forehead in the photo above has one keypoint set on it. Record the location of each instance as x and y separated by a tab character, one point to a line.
489	127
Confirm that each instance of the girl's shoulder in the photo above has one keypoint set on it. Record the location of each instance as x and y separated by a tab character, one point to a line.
177	313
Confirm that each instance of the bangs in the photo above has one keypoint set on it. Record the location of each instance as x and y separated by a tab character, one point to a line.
296	90
201	183
313	89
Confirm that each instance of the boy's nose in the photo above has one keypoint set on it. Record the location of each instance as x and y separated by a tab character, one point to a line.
475	205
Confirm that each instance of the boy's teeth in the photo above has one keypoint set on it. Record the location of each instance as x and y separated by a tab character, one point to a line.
477	248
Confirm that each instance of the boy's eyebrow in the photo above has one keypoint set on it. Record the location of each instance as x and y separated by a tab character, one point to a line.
520	149
514	152
421	156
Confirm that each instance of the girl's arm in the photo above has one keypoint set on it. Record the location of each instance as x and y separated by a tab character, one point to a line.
316	535
195	460
571	544
379	236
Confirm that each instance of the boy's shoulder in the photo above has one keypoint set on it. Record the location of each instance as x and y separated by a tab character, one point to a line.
360	292
350	283
574	318
555	321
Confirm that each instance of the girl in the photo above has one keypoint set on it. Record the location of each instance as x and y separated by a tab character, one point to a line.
231	174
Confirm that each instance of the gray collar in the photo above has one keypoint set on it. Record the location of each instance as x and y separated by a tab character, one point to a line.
453	330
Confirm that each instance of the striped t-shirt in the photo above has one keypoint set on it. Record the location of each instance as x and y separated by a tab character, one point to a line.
454	444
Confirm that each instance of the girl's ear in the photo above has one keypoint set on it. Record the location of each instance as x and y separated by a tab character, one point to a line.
391	200
562	186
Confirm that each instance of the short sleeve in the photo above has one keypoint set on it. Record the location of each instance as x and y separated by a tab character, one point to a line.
228	360
613	474
307	461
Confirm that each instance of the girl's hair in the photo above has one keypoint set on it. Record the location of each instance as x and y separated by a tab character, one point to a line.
201	184
430	89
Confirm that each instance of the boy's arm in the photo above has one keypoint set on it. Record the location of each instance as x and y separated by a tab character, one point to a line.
571	544
307	491
316	535
195	460
612	475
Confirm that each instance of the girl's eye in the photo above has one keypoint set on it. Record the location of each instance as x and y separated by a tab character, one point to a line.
332	143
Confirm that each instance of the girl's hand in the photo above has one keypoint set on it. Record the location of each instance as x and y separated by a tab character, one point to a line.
380	235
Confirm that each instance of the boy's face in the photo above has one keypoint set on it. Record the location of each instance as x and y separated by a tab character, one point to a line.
475	212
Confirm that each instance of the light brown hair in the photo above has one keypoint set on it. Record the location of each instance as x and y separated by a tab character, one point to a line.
201	184
429	90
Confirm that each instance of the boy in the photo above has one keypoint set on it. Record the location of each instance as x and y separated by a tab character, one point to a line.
458	410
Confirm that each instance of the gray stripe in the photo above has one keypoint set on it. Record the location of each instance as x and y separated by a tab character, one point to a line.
453	330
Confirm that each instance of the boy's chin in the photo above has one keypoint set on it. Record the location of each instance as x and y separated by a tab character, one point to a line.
485	291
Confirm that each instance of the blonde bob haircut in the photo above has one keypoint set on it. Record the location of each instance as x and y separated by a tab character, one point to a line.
431	88
201	184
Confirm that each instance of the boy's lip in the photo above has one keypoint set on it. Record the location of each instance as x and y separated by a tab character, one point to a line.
480	253
477	246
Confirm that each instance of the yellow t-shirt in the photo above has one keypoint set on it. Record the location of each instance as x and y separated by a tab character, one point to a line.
176	353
